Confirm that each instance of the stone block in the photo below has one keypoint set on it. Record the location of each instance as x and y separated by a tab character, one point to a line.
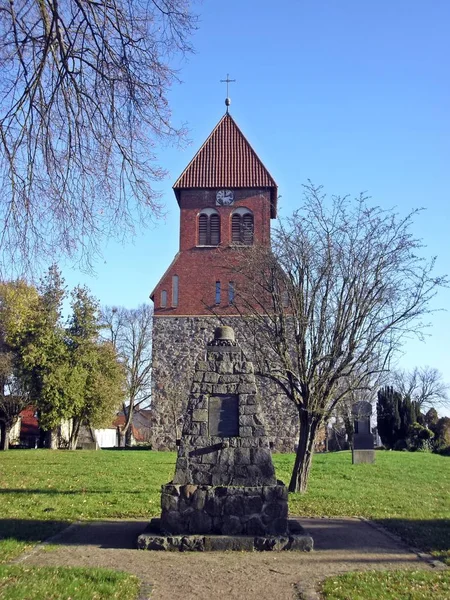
250	409
213	506
201	477
223	543
249	442
259	431
226	457
188	490
252	504
273	510
246	388
210	458
248	378
234	505
199	499
227	378
282	491
246	420
254	526
199	415
149	542
211	377
192	544
200	522
242	456
172	522
170	488
194	429
198	376
225	367
231	525
220	478
246	432
181	476
169	503
201	365
303	543
268	544
219	388
251	399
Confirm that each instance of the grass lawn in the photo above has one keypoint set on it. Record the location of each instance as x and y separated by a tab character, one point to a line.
388	585
42	490
46	583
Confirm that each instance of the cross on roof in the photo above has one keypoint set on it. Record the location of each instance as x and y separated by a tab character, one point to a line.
227	81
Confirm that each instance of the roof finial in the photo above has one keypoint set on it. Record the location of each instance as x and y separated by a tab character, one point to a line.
227	81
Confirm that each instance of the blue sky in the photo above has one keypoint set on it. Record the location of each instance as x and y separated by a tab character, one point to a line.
352	94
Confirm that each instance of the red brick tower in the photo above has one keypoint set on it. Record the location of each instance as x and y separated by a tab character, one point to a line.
227	198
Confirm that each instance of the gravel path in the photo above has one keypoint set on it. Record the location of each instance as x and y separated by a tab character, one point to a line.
340	545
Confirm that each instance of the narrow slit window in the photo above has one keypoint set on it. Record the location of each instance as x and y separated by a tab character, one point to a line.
175	290
164	299
231	292
217	292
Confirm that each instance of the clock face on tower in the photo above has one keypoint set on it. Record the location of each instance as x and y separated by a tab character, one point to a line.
224	198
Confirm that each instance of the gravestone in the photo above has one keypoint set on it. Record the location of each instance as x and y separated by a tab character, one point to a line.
363	446
224	494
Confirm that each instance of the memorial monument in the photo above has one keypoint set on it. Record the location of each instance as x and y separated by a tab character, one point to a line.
224	494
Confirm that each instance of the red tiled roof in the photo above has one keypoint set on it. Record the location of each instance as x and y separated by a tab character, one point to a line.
29	423
226	160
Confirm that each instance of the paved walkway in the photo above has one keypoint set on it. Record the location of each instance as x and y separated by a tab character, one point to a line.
340	545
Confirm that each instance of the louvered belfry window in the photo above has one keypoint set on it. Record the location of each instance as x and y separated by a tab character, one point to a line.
202	230
236	228
247	229
214	230
242	228
208	229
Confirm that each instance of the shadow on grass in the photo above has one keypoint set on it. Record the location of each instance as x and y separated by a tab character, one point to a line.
23	530
104	534
431	535
50	491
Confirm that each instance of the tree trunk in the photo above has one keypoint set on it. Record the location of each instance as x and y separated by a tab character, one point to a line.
73	440
305	451
4	436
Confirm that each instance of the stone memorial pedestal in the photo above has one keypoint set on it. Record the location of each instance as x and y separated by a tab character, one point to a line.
224	494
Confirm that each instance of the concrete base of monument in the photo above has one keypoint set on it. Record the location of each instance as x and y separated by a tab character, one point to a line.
296	539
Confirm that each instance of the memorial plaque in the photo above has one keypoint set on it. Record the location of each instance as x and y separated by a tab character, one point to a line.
223	415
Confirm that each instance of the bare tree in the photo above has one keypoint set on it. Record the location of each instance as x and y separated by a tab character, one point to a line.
83	103
424	385
130	331
331	303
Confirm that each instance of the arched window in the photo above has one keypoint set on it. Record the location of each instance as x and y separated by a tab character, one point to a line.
242	227
209	227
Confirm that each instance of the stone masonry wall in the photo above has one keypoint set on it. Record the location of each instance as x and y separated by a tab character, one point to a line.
224	510
173	368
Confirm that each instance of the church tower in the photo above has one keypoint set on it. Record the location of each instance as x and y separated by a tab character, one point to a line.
227	198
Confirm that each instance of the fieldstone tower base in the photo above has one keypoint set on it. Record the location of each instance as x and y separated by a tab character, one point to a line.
224	483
